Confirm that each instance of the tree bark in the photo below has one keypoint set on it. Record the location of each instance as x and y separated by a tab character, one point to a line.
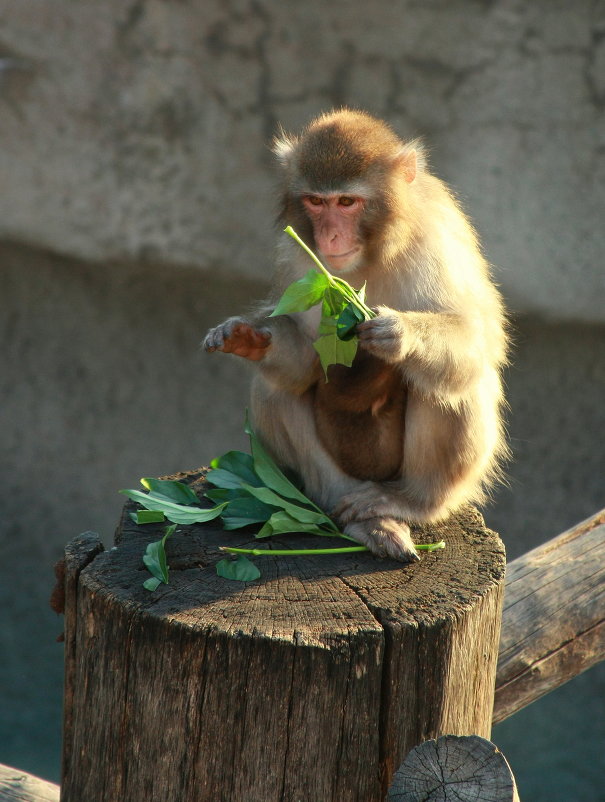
312	682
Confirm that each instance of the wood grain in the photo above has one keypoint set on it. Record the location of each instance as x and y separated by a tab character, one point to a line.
554	616
312	682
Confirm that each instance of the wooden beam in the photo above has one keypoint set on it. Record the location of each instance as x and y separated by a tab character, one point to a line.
553	624
19	786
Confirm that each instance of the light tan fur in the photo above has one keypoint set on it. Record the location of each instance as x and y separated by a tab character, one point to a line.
438	343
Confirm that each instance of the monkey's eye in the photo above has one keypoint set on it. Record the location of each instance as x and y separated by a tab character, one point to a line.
346	200
314	200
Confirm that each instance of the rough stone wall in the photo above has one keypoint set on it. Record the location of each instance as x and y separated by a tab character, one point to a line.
139	128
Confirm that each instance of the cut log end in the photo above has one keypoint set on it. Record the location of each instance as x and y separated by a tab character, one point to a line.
465	768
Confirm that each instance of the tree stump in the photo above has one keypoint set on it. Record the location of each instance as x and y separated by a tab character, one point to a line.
310	683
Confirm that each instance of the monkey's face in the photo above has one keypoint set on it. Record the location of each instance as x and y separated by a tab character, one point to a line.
335	219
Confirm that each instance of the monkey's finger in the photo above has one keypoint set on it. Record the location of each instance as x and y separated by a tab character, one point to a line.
378	329
209	342
260	338
215	339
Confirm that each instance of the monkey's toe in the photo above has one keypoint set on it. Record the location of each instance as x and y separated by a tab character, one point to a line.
384	537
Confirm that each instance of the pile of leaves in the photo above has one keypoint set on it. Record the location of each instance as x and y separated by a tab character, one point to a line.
247	489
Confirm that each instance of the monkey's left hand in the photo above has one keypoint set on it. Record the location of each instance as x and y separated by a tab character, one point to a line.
385	335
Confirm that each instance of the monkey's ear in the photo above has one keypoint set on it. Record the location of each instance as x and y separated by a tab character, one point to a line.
284	146
410	160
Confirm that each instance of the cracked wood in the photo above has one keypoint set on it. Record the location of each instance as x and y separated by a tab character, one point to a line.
553	624
312	682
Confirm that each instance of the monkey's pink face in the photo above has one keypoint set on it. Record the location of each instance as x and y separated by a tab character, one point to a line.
335	220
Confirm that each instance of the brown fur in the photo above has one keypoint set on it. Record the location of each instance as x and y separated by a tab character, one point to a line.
360	417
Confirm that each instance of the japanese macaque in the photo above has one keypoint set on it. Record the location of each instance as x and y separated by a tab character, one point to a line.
412	430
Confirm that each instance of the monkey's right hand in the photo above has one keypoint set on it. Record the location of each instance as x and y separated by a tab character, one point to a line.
237	336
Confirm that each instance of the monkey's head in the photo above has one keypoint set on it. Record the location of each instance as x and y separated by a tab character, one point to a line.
347	178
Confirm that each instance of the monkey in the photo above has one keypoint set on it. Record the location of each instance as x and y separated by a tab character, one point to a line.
413	429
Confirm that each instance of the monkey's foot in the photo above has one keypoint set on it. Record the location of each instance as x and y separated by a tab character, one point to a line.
372	500
237	336
384	537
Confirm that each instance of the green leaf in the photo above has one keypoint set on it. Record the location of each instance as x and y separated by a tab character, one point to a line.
225	479
155	560
244	511
356	297
327	326
302	294
333	351
220	494
271	476
178	513
152	583
238	463
282	522
347	322
148	516
333	303
303	514
171	490
242	569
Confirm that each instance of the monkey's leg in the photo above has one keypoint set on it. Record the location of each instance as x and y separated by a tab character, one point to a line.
447	452
286	426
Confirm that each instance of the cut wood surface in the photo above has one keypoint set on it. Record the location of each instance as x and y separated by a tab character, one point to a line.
553	624
460	768
312	682
19	786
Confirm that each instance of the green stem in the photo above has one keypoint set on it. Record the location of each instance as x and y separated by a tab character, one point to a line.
289	230
338	283
344	550
285	552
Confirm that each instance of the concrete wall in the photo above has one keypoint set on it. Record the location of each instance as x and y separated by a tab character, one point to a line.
139	128
102	382
135	211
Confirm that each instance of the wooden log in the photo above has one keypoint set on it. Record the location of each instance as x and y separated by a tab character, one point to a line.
78	554
554	616
312	682
464	768
19	786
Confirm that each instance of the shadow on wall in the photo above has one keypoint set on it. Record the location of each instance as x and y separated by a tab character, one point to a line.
104	382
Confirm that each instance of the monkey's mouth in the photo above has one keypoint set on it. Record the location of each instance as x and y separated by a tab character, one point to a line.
335	260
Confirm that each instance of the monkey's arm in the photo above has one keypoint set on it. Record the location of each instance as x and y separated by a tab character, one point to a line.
283	351
442	353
